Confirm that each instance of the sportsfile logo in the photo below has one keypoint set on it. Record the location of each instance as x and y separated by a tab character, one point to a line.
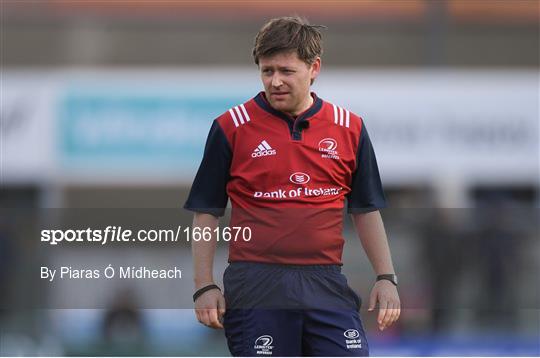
352	339
328	147
262	150
263	345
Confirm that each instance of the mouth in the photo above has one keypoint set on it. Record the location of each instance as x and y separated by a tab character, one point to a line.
279	94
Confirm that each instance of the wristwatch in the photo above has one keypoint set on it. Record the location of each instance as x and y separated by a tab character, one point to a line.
390	277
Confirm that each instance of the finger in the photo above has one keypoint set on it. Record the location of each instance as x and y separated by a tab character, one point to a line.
386	319
392	315
383	305
397	312
389	318
386	316
199	313
221	307
213	318
372	301
203	315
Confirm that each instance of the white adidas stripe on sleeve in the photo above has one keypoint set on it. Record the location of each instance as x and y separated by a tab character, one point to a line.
342	116
239	115
233	117
245	112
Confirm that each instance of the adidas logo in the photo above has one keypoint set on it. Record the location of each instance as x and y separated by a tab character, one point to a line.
263	150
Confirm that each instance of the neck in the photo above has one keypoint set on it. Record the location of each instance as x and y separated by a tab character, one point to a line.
305	105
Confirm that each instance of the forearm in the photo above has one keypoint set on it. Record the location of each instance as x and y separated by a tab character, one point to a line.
370	229
203	251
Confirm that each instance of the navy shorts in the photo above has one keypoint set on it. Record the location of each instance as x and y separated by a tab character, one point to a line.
290	310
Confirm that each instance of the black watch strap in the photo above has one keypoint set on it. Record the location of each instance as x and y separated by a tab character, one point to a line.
202	290
390	277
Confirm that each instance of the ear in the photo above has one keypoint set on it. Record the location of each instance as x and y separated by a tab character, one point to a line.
315	68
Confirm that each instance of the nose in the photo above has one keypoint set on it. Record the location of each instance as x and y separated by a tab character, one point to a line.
276	81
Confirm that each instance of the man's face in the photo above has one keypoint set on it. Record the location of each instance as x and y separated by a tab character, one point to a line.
287	80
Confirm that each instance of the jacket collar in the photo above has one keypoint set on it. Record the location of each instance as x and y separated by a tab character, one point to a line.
261	100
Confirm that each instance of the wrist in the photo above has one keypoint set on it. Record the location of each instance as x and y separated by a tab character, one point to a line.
205	289
392	277
202	283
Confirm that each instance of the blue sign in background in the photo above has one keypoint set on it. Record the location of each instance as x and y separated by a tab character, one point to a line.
136	132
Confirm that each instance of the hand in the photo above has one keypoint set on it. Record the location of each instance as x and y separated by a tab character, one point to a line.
385	293
210	308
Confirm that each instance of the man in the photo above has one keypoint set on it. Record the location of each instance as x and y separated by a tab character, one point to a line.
288	160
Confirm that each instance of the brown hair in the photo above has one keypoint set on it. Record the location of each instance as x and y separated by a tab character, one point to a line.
286	34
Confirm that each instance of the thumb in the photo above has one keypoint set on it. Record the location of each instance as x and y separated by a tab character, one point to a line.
372	300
